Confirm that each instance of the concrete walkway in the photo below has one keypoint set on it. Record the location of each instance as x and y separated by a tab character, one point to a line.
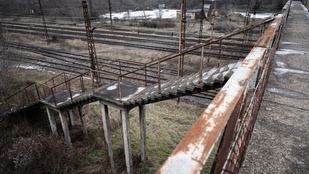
280	140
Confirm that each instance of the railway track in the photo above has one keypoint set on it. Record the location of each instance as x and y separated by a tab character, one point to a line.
231	48
77	63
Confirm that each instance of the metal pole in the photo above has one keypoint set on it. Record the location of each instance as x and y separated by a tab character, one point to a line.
110	13
89	33
219	53
202	62
212	28
201	22
119	88
182	38
44	24
159	82
145	76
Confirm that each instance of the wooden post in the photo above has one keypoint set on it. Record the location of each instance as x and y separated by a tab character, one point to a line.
107	133
82	119
65	128
52	122
126	139
142	123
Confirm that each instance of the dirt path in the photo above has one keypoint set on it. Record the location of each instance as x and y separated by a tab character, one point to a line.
280	140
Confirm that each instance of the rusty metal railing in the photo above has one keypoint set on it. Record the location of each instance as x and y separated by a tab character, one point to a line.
158	62
232	112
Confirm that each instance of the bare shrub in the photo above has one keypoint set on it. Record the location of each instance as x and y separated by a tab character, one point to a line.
39	153
163	23
224	27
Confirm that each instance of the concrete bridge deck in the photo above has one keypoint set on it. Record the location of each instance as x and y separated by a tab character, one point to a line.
280	140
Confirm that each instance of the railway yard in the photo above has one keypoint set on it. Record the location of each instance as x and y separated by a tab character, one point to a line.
123	50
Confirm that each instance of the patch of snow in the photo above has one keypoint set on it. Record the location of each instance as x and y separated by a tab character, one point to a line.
139	89
152	14
304	8
281	64
284	92
68	98
282	71
290	51
257	15
289	43
112	87
34	68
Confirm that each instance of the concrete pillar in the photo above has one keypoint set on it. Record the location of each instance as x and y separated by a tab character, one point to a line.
52	121
107	133
70	113
65	128
142	122
126	139
82	119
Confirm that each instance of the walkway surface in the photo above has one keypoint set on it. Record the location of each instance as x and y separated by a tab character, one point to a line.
280	140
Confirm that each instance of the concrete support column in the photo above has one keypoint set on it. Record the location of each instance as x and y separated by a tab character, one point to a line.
107	133
70	113
65	128
142	122
126	139
82	119
52	121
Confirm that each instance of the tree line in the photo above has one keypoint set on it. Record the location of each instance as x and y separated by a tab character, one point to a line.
73	8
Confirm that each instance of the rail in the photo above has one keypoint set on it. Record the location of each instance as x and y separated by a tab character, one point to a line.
232	113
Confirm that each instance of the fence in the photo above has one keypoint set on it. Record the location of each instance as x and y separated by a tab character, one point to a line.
232	113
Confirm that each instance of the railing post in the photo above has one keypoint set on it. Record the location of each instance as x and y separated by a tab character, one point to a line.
202	62
145	76
65	80
119	70
119	89
69	85
27	97
218	65
37	91
53	96
53	82
159	82
91	74
82	85
44	91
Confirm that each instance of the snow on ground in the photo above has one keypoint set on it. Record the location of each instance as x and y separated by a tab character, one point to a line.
257	15
166	14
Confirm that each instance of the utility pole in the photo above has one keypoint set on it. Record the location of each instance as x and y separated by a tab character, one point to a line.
247	19
110	12
212	28
182	38
44	23
89	33
201	22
